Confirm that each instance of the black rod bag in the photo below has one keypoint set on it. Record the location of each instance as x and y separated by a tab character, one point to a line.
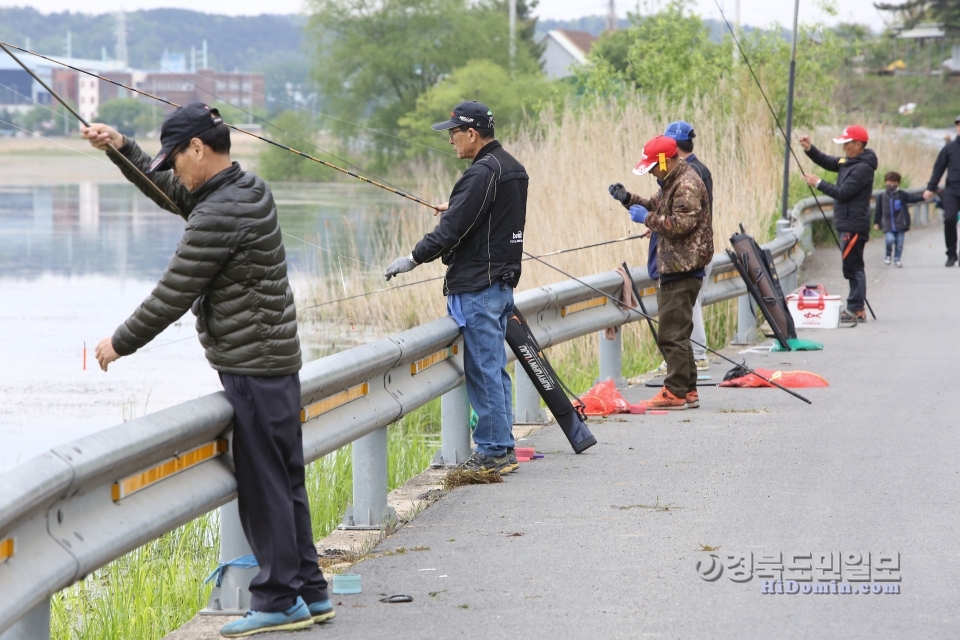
530	357
756	268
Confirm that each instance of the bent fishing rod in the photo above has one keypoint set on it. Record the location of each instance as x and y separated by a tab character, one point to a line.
651	319
111	150
786	138
7	46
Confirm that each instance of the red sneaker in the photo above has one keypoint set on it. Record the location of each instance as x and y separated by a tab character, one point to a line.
666	400
693	400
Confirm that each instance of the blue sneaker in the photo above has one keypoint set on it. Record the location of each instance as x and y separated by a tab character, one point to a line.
321	611
296	617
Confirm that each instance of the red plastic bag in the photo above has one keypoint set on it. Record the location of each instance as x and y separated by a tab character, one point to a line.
603	399
789	379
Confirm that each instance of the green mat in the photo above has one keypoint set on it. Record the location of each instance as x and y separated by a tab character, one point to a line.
797	344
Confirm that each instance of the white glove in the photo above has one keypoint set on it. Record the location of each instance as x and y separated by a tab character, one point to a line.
401	265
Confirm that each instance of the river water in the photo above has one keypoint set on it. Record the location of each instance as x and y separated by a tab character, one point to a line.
77	258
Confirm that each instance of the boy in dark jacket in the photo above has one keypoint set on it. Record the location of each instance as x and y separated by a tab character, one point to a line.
851	206
893	216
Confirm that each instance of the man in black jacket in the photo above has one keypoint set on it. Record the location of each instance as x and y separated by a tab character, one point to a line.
851	207
230	268
480	239
949	161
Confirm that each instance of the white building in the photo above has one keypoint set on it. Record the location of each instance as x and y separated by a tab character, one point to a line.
564	51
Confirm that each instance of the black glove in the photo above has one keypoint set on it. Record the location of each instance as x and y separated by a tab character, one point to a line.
619	192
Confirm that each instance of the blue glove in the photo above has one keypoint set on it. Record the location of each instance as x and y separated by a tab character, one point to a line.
638	213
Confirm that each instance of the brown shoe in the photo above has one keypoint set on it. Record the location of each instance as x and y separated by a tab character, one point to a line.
861	315
693	400
666	400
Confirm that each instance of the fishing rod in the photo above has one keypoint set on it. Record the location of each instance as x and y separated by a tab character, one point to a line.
648	317
111	150
785	137
396	191
410	284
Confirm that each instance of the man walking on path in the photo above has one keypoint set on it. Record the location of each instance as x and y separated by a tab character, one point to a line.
680	214
230	269
851	207
480	239
949	161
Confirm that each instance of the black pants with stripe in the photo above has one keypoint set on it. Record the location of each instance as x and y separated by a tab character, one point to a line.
274	513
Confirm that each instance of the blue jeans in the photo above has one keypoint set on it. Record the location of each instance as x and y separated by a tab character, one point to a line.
485	366
894	239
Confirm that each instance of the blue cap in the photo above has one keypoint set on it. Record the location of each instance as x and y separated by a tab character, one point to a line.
680	130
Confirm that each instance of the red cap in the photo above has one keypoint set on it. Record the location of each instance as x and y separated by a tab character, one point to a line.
656	150
853	132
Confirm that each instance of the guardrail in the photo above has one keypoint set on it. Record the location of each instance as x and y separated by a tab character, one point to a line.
79	506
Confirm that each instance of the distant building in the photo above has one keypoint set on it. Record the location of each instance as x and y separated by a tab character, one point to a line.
564	50
19	92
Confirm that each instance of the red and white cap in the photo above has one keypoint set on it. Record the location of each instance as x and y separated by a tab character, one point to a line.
853	132
656	150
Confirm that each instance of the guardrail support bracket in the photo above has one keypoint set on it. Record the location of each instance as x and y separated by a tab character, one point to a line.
611	358
369	509
232	597
34	625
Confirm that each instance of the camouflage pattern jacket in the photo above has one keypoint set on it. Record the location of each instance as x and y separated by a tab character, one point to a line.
680	214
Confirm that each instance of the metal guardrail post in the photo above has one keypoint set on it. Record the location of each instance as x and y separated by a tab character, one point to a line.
611	358
526	403
791	281
746	321
369	509
454	428
233	594
33	626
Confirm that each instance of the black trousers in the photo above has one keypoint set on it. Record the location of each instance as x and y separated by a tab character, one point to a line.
675	300
274	513
951	206
851	246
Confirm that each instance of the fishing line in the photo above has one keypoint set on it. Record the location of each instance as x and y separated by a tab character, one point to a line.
344	282
55	142
391	189
110	150
270	124
788	141
42	106
333	117
375	266
410	284
644	315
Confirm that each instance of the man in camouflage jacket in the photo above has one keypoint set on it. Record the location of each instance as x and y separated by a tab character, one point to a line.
680	214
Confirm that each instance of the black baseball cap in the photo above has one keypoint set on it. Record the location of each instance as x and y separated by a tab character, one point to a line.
473	114
178	127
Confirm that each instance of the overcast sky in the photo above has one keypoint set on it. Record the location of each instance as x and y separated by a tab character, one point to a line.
753	12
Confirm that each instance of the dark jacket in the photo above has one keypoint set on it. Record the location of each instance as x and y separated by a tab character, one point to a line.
892	213
480	236
680	215
949	161
229	268
704	174
854	188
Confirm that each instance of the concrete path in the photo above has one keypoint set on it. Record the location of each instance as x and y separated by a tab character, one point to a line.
606	544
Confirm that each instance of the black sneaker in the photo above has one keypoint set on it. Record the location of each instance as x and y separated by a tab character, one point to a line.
951	262
512	464
483	463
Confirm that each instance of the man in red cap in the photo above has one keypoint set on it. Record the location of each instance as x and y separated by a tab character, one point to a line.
851	207
680	214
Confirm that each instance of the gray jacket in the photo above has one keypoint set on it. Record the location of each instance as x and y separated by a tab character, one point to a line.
229	268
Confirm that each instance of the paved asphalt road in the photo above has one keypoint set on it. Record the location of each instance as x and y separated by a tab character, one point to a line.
577	547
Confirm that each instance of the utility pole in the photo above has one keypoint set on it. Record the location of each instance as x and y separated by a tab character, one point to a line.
205	65
513	34
786	151
68	45
612	16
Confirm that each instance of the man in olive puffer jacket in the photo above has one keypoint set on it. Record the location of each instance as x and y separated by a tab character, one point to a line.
230	269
